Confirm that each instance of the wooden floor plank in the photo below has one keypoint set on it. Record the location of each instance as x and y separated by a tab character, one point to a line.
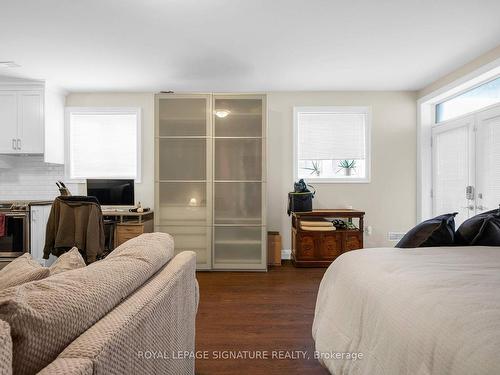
265	312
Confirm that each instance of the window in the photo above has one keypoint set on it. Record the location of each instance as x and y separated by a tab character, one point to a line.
472	100
332	144
103	143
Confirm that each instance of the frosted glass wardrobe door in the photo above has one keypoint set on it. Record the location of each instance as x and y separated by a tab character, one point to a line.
238	245
183	203
243	117
191	238
238	203
238	159
182	159
182	116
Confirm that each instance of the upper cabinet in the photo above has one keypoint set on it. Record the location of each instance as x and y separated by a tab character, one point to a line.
8	122
32	120
21	122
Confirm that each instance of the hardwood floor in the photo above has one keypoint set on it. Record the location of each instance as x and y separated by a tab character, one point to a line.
258	313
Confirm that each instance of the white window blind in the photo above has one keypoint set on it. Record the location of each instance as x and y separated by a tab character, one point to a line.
331	136
332	144
451	173
103	143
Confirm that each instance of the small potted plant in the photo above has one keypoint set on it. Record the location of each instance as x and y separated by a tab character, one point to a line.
315	169
348	166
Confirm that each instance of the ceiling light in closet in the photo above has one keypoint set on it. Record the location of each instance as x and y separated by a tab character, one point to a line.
221	113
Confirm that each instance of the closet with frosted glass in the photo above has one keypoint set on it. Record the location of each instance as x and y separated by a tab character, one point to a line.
210	177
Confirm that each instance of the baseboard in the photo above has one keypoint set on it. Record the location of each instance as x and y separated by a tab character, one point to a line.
286	254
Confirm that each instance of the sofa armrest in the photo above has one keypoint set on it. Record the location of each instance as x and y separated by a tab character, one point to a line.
5	349
145	333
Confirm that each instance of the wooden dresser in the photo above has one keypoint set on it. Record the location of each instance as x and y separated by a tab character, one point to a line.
129	224
320	249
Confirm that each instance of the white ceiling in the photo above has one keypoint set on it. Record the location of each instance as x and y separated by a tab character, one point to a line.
244	45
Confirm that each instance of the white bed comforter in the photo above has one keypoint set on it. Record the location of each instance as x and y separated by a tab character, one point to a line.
411	311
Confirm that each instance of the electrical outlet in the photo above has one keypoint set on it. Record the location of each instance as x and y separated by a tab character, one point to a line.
395	236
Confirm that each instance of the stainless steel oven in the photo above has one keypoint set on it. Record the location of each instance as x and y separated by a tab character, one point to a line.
15	234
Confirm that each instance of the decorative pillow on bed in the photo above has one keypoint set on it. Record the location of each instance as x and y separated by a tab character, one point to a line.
439	231
480	230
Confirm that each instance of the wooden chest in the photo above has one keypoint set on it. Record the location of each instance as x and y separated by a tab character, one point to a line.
321	248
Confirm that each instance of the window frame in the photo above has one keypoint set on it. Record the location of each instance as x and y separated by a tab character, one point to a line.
457	94
137	111
366	110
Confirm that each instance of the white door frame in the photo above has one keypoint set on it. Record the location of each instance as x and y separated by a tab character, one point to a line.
481	117
425	122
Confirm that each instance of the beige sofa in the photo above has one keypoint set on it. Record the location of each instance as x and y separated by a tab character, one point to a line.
131	313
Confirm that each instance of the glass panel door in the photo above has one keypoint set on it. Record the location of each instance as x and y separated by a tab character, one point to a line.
183	173
239	182
488	159
453	168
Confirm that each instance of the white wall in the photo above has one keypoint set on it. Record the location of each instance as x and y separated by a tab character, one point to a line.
144	191
389	200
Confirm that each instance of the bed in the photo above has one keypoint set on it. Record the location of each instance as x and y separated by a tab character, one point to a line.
410	311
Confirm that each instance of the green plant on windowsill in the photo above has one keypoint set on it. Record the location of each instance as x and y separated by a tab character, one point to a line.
348	166
315	169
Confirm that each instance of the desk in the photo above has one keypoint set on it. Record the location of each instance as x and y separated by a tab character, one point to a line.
320	249
129	224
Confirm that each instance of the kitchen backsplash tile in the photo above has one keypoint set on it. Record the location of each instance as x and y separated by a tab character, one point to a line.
29	177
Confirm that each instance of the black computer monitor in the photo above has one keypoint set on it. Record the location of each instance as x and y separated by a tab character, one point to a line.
112	192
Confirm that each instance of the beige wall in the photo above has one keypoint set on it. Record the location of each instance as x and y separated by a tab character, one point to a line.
144	190
484	59
389	200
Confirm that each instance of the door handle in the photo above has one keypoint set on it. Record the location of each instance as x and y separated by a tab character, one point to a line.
14	144
469	207
469	192
19	144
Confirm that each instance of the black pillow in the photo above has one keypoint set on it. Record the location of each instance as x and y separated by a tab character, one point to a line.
480	230
439	231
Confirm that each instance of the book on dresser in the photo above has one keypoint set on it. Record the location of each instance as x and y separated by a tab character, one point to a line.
318	239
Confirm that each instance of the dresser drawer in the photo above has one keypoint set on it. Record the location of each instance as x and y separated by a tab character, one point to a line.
126	232
331	246
353	241
306	247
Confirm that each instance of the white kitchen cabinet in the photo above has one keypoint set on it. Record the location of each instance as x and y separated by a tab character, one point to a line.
21	122
39	215
30	122
8	121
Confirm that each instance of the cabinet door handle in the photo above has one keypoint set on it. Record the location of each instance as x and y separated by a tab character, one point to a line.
13	144
19	144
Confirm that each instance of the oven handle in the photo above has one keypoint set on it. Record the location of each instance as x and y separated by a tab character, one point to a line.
16	215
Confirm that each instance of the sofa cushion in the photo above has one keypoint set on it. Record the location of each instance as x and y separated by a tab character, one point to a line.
438	231
159	316
22	270
68	261
45	316
5	349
